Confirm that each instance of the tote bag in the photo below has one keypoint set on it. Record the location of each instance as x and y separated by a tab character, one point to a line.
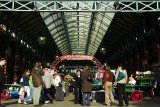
121	75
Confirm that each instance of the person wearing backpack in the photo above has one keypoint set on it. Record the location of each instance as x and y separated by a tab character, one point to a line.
121	80
108	83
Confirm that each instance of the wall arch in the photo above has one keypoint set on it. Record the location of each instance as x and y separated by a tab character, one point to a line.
91	58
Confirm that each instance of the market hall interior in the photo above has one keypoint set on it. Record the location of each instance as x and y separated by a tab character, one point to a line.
110	32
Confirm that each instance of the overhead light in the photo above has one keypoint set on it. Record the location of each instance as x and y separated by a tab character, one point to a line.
42	40
21	41
103	50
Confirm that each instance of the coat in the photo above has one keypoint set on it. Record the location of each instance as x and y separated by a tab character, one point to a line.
25	81
77	80
111	76
86	85
1	78
47	79
37	77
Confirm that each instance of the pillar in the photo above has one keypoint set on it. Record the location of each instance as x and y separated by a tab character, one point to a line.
15	67
131	66
22	70
158	52
5	67
138	63
147	57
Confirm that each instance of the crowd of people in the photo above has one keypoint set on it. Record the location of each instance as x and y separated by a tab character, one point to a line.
40	85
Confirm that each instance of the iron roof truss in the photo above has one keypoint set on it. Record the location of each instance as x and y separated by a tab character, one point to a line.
69	5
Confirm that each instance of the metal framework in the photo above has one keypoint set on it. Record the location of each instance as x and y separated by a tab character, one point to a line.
81	5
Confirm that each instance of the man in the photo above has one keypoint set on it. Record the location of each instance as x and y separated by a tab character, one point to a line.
48	81
86	85
37	73
2	63
108	86
77	87
121	84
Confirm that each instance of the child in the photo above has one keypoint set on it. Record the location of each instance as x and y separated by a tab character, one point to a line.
25	83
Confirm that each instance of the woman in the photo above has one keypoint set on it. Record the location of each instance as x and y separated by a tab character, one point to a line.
25	84
77	87
37	74
58	85
31	91
121	85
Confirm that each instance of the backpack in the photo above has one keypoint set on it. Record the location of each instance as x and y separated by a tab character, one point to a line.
121	75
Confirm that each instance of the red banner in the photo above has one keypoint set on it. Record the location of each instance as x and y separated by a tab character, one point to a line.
93	59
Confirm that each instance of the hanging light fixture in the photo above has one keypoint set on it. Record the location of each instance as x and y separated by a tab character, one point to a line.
57	55
42	40
103	50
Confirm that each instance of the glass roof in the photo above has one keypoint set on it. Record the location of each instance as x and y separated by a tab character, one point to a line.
78	32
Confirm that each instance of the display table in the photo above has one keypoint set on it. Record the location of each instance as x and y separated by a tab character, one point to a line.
12	87
98	94
13	90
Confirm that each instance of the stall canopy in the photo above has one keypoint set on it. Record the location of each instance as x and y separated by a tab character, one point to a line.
68	76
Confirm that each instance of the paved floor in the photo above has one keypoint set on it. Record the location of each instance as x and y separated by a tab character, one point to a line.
68	102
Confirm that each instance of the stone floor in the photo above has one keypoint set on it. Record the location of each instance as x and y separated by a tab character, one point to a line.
68	102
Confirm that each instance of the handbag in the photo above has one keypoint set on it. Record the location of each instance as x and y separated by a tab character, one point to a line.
21	93
121	75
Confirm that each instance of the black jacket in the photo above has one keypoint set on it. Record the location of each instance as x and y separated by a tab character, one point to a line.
25	81
77	80
1	77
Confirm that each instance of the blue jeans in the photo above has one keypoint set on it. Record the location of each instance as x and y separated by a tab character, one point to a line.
31	94
43	96
83	98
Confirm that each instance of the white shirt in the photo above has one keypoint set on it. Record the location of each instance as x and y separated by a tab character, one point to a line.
132	82
57	80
